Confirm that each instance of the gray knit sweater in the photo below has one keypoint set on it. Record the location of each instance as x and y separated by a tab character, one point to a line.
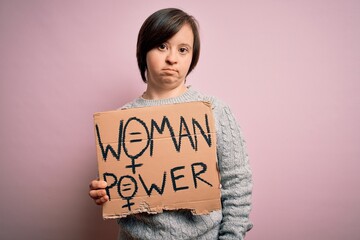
232	222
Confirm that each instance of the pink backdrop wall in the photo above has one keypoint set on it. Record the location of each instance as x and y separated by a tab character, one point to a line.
288	69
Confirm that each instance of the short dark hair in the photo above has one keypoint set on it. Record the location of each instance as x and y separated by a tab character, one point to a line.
158	28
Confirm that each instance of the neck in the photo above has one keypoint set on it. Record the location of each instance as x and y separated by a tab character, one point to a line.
155	94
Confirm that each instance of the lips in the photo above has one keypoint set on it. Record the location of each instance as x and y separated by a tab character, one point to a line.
170	69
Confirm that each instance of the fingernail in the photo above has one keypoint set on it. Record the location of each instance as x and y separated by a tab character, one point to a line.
105	183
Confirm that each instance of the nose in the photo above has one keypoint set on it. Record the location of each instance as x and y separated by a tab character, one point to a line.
171	57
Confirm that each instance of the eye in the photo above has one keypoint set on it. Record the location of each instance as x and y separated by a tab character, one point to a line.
162	46
183	50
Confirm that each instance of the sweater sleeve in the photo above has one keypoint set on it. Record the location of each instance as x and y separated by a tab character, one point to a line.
236	176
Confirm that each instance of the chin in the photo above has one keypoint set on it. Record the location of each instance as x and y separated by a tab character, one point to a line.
170	80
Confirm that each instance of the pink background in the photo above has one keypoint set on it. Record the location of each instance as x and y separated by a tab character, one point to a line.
288	69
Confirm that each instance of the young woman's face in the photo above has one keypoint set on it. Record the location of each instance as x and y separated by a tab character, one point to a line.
168	64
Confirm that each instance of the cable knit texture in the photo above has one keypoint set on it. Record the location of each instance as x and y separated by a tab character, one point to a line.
232	222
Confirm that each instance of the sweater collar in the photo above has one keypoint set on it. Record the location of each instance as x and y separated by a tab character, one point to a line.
185	97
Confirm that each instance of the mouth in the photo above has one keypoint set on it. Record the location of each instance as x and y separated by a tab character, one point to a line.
170	69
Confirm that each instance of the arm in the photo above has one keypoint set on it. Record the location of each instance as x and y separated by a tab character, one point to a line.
236	177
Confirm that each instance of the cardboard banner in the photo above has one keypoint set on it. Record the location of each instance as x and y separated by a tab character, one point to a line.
158	158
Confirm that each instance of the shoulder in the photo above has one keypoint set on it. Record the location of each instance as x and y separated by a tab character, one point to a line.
128	105
219	107
132	104
215	102
225	120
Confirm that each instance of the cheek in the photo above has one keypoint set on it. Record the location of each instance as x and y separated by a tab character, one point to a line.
187	65
148	60
152	61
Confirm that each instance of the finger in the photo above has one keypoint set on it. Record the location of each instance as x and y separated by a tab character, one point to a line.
96	194
96	184
102	200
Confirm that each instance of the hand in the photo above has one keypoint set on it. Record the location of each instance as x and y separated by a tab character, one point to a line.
97	192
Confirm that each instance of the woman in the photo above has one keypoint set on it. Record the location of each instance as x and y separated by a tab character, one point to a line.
168	49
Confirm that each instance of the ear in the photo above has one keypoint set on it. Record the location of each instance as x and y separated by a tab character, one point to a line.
146	74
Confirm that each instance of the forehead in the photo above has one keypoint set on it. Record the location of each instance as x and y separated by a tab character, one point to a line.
184	36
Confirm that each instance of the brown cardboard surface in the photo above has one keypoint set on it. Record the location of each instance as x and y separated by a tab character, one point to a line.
158	158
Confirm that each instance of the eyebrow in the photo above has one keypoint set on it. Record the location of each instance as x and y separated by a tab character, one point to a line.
185	44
